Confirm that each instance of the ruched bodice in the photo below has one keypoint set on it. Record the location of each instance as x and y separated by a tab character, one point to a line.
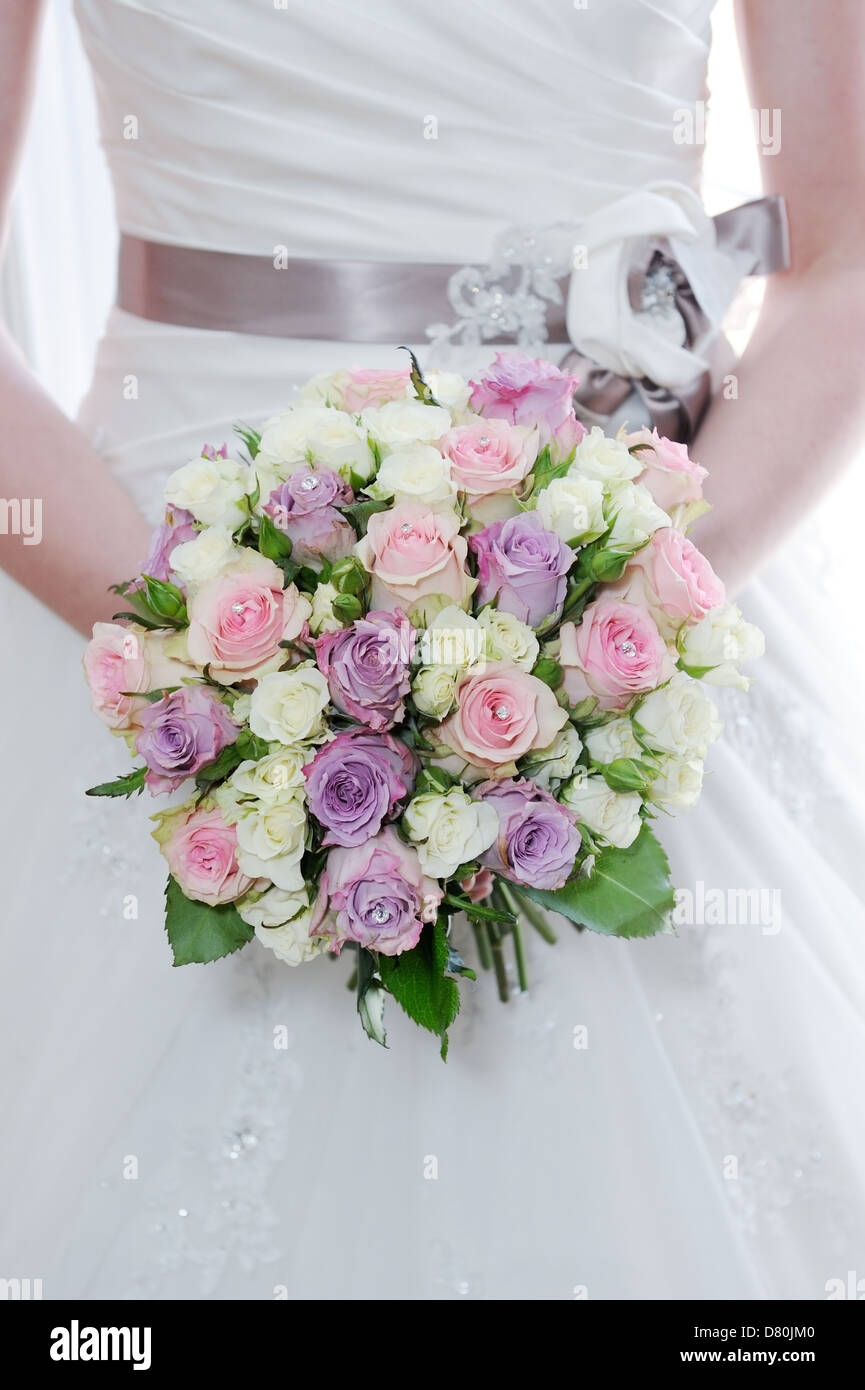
399	130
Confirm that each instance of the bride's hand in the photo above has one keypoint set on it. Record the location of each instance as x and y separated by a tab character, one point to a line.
91	532
798	414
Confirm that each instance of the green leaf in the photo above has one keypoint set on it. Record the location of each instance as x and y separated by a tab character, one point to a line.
198	933
629	892
695	672
477	910
349	576
417	980
222	767
434	779
138	618
606	566
359	513
251	438
421	390
250	746
370	997
126	785
272	542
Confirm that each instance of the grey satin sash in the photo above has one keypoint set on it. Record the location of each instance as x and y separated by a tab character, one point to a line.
395	302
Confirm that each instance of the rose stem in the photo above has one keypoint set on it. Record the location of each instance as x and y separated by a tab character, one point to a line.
499	962
537	920
483	944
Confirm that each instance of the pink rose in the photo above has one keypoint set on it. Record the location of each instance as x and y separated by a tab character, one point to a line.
502	714
565	439
525	391
375	894
671	476
411	553
616	653
116	667
489	456
674	579
367	387
237	621
201	851
477	887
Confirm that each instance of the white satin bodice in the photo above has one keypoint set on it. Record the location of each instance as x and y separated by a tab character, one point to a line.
394	130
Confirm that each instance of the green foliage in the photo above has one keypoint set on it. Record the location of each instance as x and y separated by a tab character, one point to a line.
199	933
628	893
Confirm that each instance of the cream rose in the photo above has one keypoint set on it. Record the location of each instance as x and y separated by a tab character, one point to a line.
213	490
271	839
397	425
323	618
635	515
573	507
205	557
434	690
453	639
276	777
721	642
416	473
291	942
288	706
313	433
614	816
679	782
556	762
679	718
614	740
508	638
608	460
449	829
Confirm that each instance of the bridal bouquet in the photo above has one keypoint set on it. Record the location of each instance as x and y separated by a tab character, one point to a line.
430	649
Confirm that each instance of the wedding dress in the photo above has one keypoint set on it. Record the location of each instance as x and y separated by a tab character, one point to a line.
681	1117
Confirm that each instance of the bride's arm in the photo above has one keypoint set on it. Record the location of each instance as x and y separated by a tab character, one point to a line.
92	533
800	412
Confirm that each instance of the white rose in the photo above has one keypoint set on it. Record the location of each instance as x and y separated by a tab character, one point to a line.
614	740
240	709
323	618
509	639
453	638
573	507
271	839
679	782
276	777
635	515
449	829
721	641
416	473
313	433
606	459
449	389
205	557
213	490
287	706
434	690
325	388
679	718
291	943
615	816
273	908
397	424
555	762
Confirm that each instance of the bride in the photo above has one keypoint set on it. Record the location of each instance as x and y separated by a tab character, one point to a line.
678	1118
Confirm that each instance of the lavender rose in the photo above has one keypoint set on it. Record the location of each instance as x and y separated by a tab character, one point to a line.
367	667
178	527
525	391
305	509
180	734
538	839
356	782
375	894
523	566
